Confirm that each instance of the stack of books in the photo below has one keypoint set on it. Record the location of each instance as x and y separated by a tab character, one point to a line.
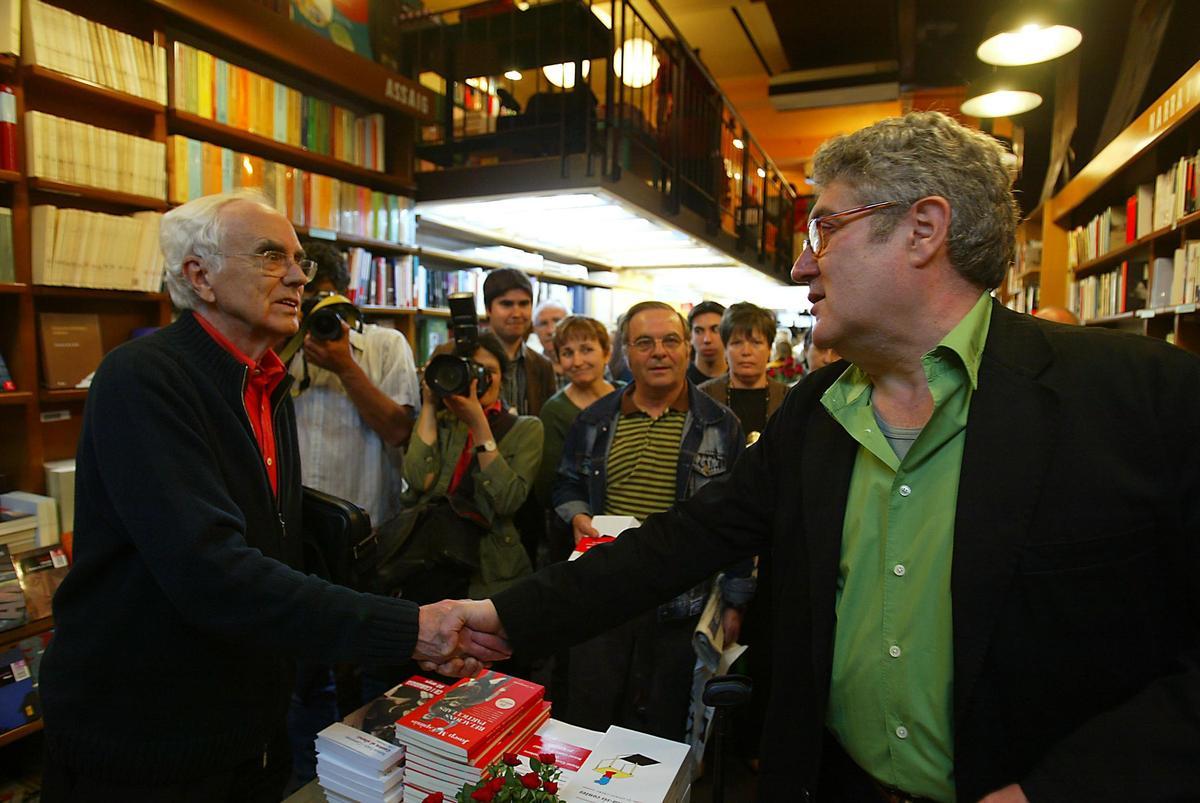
346	763
356	766
451	740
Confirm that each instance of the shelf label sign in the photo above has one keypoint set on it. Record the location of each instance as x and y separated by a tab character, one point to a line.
409	96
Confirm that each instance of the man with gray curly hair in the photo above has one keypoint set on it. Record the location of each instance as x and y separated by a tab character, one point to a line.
983	526
187	604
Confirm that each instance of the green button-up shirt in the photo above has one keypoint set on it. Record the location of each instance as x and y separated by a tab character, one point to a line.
891	692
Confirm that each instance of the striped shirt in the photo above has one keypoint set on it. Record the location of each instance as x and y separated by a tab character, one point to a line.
642	463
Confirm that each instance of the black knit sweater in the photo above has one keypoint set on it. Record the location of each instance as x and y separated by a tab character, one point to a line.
180	618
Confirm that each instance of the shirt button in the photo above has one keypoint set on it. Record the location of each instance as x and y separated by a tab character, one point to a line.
898	570
270	462
902	732
894	651
905	490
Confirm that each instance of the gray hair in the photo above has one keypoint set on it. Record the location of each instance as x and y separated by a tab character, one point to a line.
196	229
921	154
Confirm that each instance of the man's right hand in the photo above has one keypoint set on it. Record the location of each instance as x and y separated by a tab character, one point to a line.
581	526
458	637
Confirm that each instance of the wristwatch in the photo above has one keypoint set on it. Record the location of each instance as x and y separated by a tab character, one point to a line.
487	446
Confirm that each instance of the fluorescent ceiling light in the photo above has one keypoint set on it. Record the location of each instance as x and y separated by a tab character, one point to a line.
590	225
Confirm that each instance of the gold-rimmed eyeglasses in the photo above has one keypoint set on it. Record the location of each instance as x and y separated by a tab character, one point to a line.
645	344
818	243
277	264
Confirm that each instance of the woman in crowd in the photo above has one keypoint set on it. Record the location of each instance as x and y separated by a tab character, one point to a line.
583	347
747	332
469	451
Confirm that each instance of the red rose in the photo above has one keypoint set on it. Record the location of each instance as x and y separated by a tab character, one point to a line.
483	794
550	786
497	783
511	759
546	758
530	780
434	797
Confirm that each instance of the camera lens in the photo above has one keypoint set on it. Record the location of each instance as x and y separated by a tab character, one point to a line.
447	375
325	324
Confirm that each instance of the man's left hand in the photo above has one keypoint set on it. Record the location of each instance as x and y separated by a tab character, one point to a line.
457	638
1009	794
332	355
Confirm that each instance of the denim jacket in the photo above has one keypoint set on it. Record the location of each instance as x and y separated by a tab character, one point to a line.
712	441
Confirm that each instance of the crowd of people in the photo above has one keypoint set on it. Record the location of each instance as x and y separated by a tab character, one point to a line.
942	617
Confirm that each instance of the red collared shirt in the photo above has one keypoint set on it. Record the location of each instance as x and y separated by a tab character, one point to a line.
264	376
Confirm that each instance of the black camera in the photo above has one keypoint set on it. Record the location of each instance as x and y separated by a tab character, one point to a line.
324	314
451	374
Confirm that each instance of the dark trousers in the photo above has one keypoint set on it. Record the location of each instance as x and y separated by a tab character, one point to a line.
638	676
257	780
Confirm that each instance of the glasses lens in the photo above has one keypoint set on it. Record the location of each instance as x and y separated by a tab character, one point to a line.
309	267
814	235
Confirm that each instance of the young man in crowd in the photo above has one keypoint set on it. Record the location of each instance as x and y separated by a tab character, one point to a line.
983	526
708	354
508	299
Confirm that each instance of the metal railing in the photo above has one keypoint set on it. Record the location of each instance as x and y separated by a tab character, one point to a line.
554	78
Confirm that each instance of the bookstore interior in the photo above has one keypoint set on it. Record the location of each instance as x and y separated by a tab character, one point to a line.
609	152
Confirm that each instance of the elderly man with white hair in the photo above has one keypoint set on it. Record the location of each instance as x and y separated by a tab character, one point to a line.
169	674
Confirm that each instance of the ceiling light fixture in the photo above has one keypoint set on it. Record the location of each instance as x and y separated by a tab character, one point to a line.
563	75
1027	33
737	143
513	75
635	63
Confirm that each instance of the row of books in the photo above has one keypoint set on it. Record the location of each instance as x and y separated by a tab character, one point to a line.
1152	207
77	153
1161	284
423	737
68	43
77	248
20	670
7	268
10	27
28	580
1025	299
212	88
8	128
306	198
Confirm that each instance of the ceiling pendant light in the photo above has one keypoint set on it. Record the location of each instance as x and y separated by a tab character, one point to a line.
999	94
563	75
635	63
1027	33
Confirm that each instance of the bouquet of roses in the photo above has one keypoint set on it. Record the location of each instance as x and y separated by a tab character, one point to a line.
503	784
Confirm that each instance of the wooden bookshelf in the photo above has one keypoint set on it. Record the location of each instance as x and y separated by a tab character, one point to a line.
354	241
123	199
14	289
9	176
41	79
34	628
16	734
16	397
8	63
98	293
66	395
190	125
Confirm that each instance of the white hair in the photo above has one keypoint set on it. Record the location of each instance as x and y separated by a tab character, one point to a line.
196	229
547	304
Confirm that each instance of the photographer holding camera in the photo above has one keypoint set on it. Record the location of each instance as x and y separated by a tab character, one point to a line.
468	470
355	392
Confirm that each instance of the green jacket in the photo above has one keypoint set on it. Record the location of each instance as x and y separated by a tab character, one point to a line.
500	490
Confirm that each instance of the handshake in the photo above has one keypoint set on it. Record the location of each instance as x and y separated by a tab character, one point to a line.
460	637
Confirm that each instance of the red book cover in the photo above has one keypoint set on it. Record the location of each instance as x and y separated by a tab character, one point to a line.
472	713
587	542
8	128
438	764
1131	219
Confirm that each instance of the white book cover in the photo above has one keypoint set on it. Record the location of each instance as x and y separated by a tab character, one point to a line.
631	767
359	749
42	507
337	766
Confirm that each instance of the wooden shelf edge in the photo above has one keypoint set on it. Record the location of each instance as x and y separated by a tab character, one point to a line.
100	293
15	288
97	194
8	737
14	398
26	630
192	125
368	243
9	176
8	62
66	395
75	84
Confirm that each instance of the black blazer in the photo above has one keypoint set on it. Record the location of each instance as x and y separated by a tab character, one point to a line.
1075	580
